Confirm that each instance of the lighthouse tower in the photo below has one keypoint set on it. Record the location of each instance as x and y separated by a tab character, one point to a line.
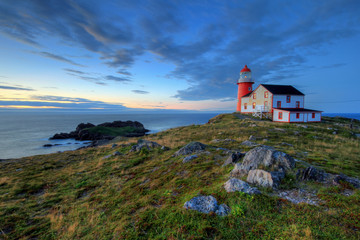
244	83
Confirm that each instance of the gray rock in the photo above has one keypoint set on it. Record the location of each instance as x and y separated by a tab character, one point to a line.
107	156
165	148
236	185
233	158
227	140
264	178
265	157
207	204
144	144
301	125
117	153
191	148
311	173
286	144
334	132
280	129
223	210
114	145
249	143
189	158
342	177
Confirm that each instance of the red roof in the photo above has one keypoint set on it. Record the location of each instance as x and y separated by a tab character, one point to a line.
245	69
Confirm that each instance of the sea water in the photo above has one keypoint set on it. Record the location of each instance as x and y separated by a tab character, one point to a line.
25	133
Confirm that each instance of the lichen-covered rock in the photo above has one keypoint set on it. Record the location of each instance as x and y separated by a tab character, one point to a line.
191	148
144	144
207	204
265	179
266	158
311	173
237	185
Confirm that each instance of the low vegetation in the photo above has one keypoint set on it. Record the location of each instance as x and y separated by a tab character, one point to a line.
140	195
114	131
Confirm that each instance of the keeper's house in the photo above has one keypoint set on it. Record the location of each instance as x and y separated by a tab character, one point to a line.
282	103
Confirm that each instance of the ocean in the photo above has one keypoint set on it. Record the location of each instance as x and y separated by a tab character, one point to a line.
24	133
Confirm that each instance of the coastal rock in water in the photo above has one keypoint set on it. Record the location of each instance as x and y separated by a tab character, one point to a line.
82	126
233	158
265	157
236	185
207	204
264	178
311	173
191	148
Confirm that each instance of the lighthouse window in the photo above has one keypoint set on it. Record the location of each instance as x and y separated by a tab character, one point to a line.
266	94
288	98
249	88
254	105
254	96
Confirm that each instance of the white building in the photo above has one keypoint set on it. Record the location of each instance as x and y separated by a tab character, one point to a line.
282	103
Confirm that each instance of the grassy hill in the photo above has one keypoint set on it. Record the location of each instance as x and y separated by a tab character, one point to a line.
92	194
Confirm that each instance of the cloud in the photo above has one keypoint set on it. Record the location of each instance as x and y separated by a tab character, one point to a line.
117	79
208	42
62	102
74	71
16	88
58	58
140	92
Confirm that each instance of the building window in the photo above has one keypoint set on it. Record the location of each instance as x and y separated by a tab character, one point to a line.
278	104
280	115
297	115
254	96
254	105
245	105
266	94
265	103
288	98
313	115
297	104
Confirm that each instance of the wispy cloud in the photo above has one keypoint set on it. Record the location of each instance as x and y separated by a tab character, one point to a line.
16	88
140	92
117	79
58	58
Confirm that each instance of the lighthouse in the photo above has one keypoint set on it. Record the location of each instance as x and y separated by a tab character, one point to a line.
244	83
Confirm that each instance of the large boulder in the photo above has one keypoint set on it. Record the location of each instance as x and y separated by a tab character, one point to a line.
236	185
264	157
265	179
191	148
207	204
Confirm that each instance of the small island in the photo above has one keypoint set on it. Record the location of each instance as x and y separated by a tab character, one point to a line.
104	131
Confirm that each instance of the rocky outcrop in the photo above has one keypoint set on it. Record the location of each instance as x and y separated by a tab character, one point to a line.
207	204
193	147
83	131
144	144
266	158
343	178
189	158
311	173
249	143
236	185
265	179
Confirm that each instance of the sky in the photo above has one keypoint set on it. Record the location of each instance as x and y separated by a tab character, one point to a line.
183	55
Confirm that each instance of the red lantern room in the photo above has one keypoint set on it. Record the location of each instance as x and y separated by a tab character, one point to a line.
244	83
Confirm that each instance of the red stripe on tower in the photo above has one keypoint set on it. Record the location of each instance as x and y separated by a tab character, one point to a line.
244	83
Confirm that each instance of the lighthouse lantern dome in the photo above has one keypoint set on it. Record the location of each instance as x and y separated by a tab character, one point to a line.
245	75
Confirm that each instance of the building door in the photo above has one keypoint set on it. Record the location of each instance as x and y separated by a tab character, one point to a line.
305	117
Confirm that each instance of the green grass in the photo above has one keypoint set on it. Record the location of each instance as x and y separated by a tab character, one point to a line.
140	195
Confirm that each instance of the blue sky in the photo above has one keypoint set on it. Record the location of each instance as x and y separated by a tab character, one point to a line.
129	55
